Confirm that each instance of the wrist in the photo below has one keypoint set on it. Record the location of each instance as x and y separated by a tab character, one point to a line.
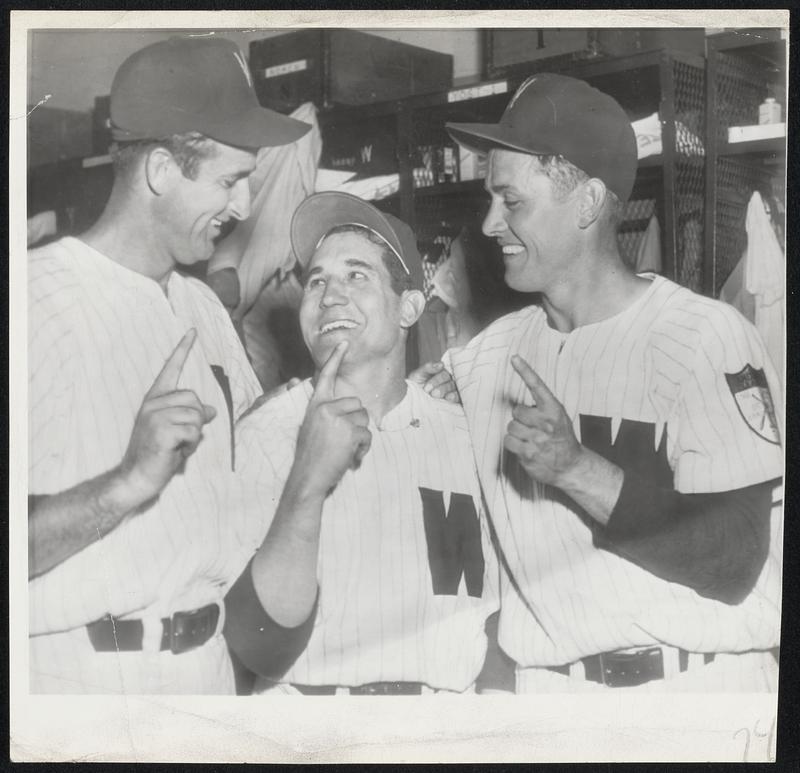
123	492
573	473
302	490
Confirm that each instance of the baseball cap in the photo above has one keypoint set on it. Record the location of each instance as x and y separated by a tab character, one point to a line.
320	213
200	84
553	114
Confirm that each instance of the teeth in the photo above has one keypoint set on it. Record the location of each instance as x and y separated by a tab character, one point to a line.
512	249
339	324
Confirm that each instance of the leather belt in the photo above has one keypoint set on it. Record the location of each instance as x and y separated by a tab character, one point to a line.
628	669
373	688
182	632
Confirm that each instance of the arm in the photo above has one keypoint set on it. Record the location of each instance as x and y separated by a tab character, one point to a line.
715	544
333	437
167	430
61	525
263	645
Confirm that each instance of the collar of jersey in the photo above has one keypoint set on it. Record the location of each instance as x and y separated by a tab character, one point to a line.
402	414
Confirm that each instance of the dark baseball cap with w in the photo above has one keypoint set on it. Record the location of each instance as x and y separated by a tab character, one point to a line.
553	114
194	84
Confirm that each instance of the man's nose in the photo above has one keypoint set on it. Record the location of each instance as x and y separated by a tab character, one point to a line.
239	204
493	224
334	294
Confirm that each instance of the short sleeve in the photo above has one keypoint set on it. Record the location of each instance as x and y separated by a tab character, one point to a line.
728	434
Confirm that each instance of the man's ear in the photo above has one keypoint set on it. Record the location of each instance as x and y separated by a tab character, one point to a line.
590	202
159	170
412	304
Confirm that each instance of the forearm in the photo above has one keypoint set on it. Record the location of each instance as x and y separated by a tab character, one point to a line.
60	525
593	483
714	543
284	570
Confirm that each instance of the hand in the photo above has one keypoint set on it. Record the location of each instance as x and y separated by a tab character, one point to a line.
541	435
436	381
334	434
167	430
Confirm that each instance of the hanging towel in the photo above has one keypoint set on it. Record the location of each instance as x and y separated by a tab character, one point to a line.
648	255
259	247
765	279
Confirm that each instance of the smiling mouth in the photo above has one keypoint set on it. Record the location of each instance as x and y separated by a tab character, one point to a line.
512	249
337	324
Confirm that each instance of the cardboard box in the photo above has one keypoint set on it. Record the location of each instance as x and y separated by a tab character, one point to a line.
508	48
343	67
366	147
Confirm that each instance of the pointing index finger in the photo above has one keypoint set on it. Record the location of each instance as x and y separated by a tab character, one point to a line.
326	380
167	380
538	389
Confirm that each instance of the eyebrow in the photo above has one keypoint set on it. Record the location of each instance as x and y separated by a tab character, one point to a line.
351	262
238	175
497	188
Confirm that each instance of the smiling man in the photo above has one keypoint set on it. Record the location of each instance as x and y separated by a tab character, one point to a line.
136	378
624	429
365	487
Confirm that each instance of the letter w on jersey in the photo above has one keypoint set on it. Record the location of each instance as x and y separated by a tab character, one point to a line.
454	542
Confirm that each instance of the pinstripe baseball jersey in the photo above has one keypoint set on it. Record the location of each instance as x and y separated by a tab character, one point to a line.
99	334
676	378
406	571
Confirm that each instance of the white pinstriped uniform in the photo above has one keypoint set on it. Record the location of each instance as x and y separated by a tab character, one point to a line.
99	336
661	361
378	616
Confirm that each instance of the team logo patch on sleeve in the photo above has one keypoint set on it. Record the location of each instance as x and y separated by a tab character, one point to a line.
750	390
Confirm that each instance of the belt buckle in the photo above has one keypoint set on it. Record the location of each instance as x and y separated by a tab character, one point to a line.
189	630
631	669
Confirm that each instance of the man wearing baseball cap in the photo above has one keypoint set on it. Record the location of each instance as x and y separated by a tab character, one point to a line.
136	380
367	489
624	429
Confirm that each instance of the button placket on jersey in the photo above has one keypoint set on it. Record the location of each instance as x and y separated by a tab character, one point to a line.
560	369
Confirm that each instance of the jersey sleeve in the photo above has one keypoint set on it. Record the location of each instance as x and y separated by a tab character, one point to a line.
727	425
51	385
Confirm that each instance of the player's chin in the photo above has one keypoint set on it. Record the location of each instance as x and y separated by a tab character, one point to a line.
518	280
324	343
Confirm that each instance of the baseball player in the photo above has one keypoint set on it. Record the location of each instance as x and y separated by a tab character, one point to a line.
366	487
136	379
624	429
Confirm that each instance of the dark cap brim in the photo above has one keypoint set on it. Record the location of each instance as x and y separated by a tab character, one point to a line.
483	137
254	128
257	128
320	213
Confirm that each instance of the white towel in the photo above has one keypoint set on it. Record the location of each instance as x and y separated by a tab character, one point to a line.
765	278
648	255
260	247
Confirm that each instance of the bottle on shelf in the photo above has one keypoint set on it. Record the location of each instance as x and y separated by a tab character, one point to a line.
769	111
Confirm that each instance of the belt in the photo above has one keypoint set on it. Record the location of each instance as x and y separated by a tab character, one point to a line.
628	669
373	688
182	632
